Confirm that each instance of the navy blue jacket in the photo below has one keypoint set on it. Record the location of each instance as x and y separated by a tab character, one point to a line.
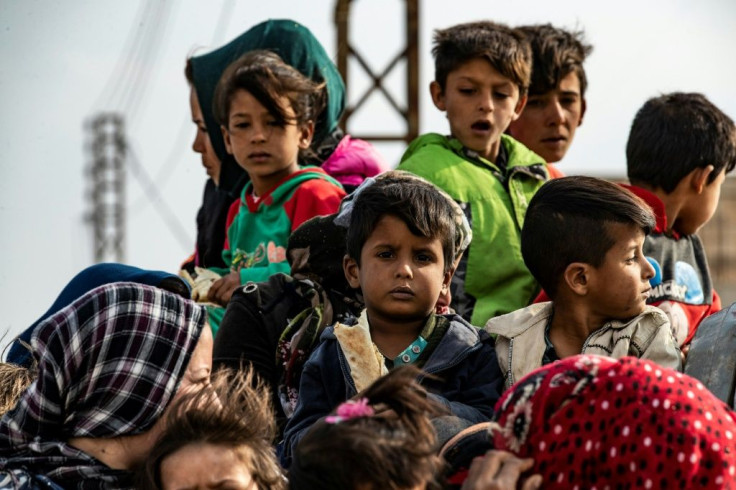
470	380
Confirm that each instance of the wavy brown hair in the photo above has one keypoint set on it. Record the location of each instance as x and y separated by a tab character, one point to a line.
234	411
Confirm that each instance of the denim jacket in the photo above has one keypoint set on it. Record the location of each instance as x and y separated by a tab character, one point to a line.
470	380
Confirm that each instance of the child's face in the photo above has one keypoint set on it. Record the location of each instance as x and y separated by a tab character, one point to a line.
266	149
480	103
400	274
202	143
202	466
699	208
619	288
549	120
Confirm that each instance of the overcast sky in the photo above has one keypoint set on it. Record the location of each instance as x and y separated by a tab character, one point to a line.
62	61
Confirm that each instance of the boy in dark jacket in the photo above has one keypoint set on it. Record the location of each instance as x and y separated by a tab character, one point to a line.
400	250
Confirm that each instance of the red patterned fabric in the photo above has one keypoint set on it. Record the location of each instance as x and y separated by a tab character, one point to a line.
594	422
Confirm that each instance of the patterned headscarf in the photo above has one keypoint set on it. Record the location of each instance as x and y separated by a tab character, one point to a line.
109	364
596	422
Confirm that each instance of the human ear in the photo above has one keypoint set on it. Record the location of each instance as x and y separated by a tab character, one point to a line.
519	107
700	177
351	269
577	277
583	106
226	137
306	131
438	96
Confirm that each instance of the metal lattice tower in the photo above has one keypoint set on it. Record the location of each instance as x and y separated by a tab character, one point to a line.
347	53
107	187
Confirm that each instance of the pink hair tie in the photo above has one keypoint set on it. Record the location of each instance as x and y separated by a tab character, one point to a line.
351	409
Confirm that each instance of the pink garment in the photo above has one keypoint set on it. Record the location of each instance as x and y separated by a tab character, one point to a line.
353	161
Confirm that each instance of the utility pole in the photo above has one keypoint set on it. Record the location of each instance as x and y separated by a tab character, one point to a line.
348	54
106	175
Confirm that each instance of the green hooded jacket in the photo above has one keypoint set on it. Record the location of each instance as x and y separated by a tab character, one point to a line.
298	47
494	281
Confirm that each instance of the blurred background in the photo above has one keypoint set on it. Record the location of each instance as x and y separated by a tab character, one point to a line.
66	64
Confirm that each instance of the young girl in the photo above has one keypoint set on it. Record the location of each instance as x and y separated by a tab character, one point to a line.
267	109
217	438
387	432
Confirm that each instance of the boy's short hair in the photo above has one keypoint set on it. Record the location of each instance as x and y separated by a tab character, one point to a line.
556	53
674	134
506	49
568	221
416	202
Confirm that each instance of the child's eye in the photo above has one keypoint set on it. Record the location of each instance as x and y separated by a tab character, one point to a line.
466	91
501	95
276	124
384	255
568	101
242	125
424	258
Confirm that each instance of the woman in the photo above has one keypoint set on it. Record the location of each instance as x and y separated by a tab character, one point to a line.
109	365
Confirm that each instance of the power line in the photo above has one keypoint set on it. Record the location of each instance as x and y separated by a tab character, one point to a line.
156	199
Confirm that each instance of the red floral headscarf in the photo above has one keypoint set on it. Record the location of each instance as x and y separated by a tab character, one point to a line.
594	422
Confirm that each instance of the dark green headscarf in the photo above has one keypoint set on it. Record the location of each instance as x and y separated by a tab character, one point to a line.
298	47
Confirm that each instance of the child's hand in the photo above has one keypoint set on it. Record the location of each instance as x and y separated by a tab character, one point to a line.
223	289
500	470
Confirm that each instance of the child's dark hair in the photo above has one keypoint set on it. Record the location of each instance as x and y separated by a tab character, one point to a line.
235	412
674	134
396	449
416	202
506	49
556	53
268	78
568	221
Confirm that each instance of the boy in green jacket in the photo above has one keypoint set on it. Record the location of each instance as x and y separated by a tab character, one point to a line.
482	73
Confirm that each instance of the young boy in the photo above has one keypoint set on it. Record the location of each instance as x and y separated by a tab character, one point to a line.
582	240
556	103
680	149
482	72
400	250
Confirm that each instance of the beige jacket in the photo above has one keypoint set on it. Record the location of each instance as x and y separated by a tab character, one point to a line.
520	339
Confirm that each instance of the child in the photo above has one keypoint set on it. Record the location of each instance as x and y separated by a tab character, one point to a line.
679	151
266	109
400	248
582	240
387	432
556	103
220	437
349	160
482	72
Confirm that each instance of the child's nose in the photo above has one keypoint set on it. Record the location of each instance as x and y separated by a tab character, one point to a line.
259	134
403	269
647	269
555	114
486	103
